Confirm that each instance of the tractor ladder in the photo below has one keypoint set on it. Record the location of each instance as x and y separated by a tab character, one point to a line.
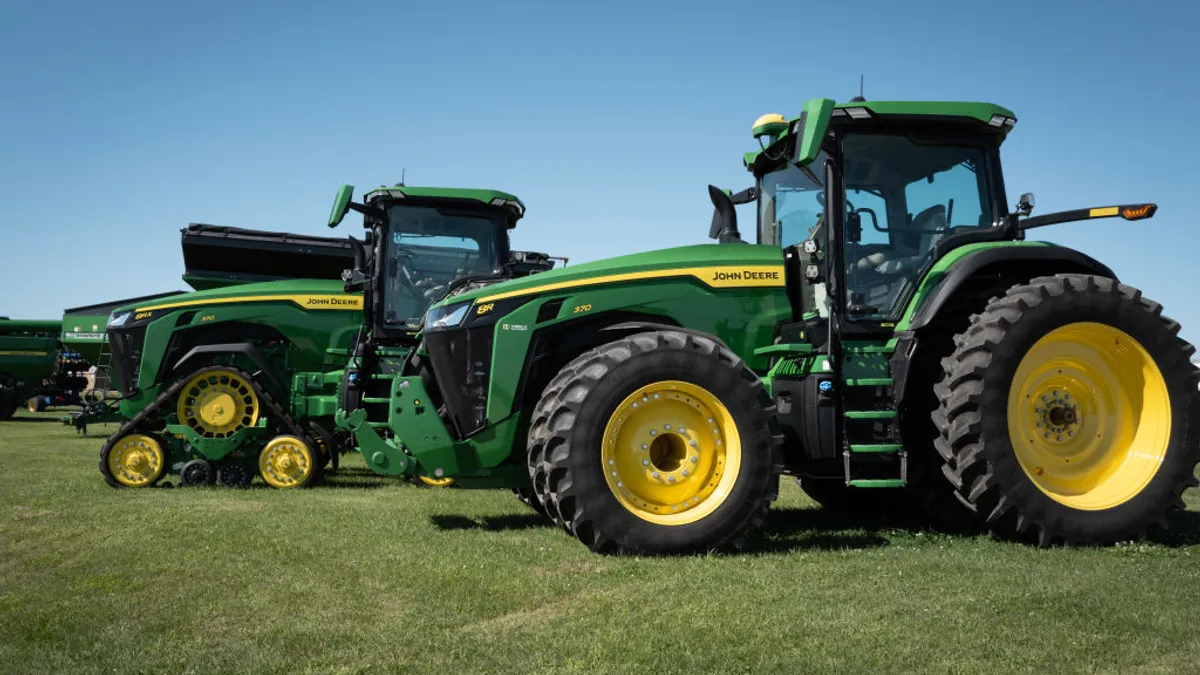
870	421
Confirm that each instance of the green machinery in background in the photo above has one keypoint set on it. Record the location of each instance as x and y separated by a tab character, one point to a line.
239	379
890	331
30	361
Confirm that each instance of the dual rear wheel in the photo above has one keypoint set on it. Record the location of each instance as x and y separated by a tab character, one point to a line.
661	442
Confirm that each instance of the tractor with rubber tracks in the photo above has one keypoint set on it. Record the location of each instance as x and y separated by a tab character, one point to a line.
890	331
239	379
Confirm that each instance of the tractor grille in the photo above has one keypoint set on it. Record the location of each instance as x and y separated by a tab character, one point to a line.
127	356
461	361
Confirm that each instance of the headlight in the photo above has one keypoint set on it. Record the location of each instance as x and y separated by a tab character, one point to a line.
118	320
446	316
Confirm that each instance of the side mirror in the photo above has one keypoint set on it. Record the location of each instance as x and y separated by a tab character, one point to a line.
1025	206
724	222
341	204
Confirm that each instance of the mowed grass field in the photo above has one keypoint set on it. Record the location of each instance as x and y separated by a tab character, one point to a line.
368	574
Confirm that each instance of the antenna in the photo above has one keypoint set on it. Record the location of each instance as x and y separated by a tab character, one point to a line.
401	177
859	98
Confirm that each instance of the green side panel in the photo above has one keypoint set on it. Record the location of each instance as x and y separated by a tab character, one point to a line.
942	268
84	334
28	360
816	113
977	110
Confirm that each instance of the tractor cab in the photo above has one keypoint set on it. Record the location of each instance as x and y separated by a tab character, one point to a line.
423	244
904	187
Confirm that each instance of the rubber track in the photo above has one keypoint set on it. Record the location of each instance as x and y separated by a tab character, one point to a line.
959	420
552	481
275	411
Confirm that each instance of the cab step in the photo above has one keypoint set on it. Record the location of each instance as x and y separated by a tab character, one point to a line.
869	382
870	414
867	349
876	447
877	483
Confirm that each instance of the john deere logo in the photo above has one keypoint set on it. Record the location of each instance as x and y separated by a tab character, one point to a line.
333	302
745	275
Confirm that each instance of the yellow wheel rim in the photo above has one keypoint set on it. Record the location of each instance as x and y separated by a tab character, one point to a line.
436	482
136	460
671	453
286	462
217	404
1089	416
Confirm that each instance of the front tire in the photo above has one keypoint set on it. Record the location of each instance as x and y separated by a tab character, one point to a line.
1071	413
658	443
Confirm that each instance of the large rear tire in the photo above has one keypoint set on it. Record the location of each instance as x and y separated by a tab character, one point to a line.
658	443
1070	413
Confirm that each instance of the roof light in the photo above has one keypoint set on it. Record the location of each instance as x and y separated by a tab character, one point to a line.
517	206
997	120
1009	121
859	113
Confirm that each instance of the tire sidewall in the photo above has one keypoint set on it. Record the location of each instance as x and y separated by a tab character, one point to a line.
1131	316
727	384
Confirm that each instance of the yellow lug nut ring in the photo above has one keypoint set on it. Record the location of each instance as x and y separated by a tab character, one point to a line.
671	453
136	460
1089	416
286	462
217	403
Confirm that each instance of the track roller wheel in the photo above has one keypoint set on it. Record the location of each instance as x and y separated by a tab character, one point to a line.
217	403
1071	413
658	443
134	460
234	475
430	481
288	462
196	472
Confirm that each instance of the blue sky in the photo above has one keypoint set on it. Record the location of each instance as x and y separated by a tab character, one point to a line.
121	123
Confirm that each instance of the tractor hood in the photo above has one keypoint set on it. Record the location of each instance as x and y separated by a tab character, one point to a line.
713	265
309	294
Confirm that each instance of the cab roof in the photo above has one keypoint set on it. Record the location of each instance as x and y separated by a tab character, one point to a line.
990	114
505	200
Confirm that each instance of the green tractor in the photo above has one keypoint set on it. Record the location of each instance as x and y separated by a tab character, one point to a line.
890	332
240	379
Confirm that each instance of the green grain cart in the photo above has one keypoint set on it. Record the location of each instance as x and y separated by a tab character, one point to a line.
890	331
29	354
